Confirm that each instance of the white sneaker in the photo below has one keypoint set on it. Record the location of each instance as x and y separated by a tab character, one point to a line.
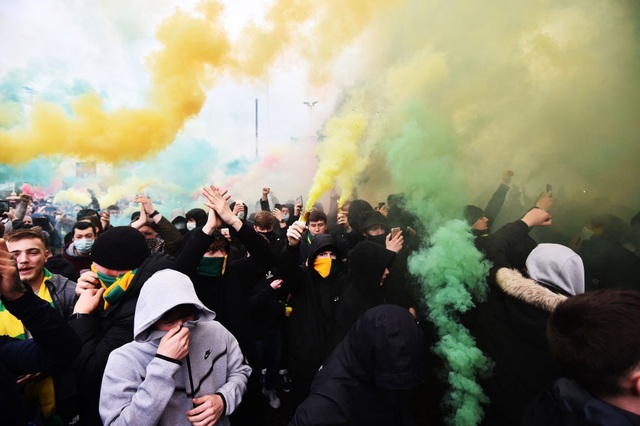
272	396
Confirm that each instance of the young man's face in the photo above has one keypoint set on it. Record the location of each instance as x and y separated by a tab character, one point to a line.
318	227
148	232
107	271
84	234
217	253
327	255
30	255
176	316
374	231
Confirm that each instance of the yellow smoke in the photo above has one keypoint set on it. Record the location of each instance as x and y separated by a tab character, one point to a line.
340	156
193	47
549	90
73	196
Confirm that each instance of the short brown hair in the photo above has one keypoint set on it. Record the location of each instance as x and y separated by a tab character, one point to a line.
595	338
219	242
25	234
317	216
264	220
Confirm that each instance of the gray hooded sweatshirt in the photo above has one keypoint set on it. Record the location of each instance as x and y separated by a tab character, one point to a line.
140	389
557	266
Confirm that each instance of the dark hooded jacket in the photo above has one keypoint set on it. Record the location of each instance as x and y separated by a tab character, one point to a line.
566	403
314	301
106	330
367	262
365	380
511	326
228	295
53	346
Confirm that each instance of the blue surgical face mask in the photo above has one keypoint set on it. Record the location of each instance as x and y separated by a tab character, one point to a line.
83	245
285	217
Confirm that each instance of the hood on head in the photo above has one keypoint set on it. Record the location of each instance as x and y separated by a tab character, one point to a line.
472	214
321	243
165	290
197	214
356	209
557	266
367	262
385	348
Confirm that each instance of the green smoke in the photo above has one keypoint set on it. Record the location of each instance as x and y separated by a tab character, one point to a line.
450	269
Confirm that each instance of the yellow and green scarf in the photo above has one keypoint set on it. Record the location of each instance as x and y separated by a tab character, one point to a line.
114	287
11	326
212	266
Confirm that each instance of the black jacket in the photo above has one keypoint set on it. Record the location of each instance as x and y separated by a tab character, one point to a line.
314	302
54	345
228	295
510	328
367	262
106	330
366	380
567	404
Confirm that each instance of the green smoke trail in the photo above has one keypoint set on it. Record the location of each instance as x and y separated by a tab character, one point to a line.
450	269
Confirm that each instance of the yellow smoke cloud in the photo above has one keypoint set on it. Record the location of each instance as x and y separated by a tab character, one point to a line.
74	196
340	157
193	46
549	90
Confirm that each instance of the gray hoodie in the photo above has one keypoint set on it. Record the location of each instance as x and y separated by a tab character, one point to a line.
139	388
557	266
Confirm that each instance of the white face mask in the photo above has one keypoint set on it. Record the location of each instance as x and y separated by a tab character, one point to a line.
83	245
191	226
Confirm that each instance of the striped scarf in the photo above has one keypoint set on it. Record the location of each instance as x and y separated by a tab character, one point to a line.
114	287
11	326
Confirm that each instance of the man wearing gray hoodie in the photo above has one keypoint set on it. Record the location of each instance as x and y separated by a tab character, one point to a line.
182	368
526	283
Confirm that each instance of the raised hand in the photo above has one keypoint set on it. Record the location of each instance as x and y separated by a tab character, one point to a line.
217	200
394	242
10	285
294	233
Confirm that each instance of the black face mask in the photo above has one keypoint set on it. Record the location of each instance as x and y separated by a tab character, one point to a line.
378	239
267	234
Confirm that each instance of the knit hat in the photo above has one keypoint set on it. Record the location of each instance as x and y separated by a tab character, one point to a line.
472	214
121	248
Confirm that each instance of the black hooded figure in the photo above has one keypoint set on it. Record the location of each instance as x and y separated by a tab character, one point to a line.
367	264
367	378
313	316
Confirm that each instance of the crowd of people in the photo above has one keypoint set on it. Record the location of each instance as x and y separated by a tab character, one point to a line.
214	315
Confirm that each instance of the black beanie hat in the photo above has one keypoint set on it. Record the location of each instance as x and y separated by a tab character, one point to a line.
472	213
121	248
